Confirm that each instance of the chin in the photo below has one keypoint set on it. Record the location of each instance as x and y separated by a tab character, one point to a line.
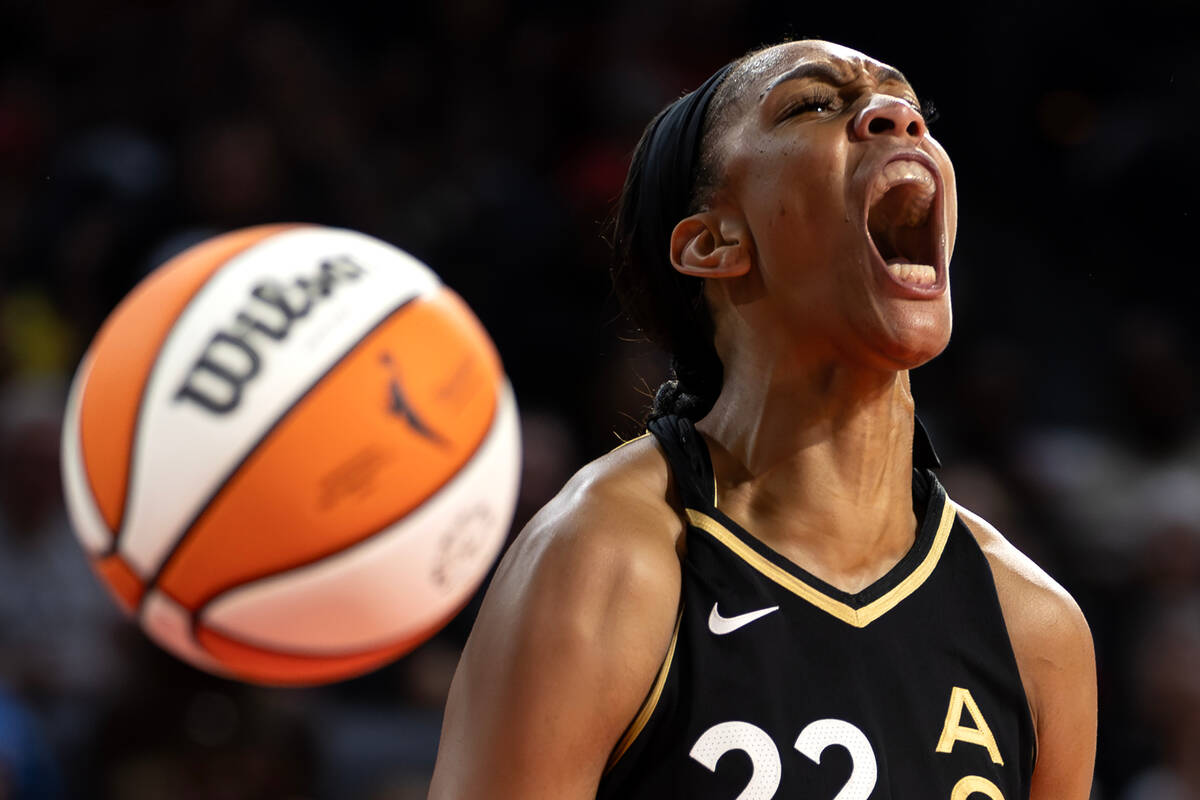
915	335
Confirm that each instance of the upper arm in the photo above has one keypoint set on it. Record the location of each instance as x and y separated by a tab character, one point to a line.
1056	658
1065	708
565	648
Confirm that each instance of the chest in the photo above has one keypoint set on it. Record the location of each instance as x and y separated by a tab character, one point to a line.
776	708
777	689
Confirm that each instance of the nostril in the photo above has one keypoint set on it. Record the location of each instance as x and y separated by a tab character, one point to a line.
880	124
913	129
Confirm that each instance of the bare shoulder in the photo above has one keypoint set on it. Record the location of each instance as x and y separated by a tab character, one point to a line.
569	638
1053	647
613	520
621	498
1041	615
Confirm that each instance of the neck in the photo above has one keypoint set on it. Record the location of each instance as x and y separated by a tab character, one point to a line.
818	464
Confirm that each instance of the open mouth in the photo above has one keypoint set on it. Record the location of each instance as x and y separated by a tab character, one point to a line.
900	222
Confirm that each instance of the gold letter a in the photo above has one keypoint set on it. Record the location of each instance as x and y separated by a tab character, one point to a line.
953	731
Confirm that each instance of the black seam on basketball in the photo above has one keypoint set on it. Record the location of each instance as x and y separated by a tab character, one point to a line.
199	612
301	397
205	286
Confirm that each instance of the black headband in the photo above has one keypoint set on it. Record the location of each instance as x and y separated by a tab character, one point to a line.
672	150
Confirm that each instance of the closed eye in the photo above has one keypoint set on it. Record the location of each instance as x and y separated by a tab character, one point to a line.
816	102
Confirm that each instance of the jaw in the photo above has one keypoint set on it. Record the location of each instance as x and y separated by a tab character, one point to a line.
908	333
881	329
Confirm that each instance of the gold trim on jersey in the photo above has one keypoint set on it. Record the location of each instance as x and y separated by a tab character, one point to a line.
649	704
860	617
630	441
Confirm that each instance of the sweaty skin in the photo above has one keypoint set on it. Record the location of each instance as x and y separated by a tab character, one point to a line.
810	439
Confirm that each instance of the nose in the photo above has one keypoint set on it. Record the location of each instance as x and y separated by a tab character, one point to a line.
885	115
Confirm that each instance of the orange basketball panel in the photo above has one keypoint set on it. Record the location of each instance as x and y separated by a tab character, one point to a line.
125	350
259	665
121	580
383	431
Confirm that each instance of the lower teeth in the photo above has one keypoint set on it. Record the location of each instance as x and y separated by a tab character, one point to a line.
920	274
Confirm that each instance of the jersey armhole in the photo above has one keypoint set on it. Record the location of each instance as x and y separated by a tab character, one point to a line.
649	704
1008	637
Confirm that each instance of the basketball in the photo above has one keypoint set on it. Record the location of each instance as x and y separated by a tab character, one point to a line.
291	453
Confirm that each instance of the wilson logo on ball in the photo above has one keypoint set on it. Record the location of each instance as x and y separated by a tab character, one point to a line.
230	359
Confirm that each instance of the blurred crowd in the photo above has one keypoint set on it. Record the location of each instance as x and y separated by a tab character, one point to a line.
489	138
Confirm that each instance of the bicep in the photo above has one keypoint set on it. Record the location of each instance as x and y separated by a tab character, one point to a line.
1066	714
564	650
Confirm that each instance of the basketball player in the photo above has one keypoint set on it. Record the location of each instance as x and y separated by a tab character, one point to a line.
770	595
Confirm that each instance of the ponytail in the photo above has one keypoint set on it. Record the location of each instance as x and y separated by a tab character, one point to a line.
661	189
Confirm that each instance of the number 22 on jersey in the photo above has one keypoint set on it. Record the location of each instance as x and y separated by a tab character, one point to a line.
767	769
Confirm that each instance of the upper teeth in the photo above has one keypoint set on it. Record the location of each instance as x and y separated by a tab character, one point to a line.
910	172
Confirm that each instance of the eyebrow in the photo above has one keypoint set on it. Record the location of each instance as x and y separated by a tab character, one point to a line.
831	75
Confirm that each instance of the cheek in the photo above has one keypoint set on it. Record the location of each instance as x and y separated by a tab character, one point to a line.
798	218
951	212
788	184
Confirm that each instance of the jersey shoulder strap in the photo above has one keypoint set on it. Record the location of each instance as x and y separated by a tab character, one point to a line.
924	456
688	459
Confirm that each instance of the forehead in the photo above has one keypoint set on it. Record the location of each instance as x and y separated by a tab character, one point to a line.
764	68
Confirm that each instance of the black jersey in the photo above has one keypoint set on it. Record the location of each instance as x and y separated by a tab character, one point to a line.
778	685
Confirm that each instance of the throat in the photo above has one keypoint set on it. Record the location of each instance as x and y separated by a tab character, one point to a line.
847	537
819	468
849	557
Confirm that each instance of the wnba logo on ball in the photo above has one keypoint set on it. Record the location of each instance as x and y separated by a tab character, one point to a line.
229	360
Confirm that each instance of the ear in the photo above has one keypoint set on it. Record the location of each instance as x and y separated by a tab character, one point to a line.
707	245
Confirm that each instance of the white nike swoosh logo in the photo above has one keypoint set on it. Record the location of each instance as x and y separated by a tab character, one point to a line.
723	625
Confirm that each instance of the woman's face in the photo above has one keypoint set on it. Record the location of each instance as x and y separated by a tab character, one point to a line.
849	204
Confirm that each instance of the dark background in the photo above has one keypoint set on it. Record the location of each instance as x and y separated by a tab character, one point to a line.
489	138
